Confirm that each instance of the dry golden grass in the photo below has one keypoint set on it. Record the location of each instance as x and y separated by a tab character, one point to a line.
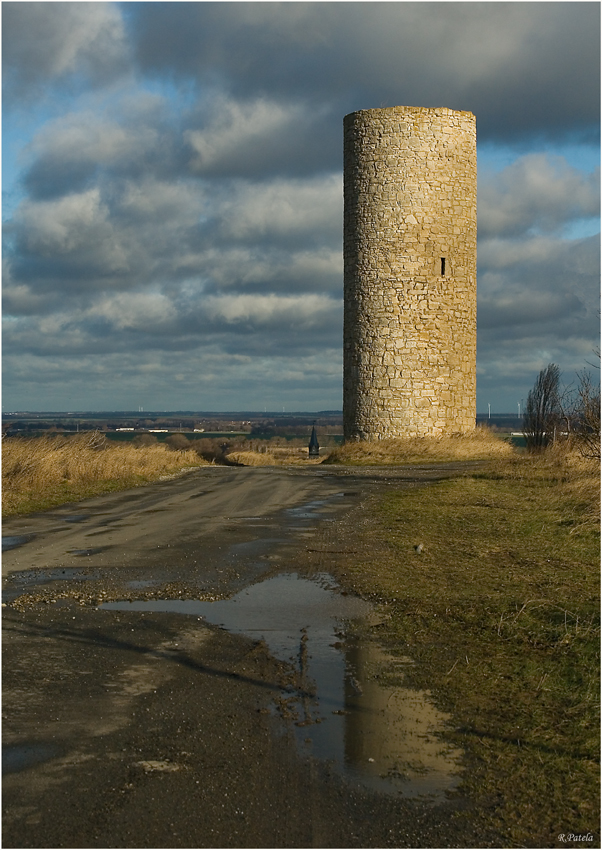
574	478
294	455
480	444
252	458
45	471
277	456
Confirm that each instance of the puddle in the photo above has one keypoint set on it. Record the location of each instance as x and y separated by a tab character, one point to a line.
141	584
96	550
17	757
309	510
26	577
393	733
384	737
254	548
316	510
13	542
76	517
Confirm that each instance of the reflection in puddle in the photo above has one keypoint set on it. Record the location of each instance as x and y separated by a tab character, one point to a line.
311	511
306	511
386	737
254	548
392	732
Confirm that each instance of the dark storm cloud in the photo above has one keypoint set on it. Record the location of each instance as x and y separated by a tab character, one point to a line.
77	44
238	138
523	68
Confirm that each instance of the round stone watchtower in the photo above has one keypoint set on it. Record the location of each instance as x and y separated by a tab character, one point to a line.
410	272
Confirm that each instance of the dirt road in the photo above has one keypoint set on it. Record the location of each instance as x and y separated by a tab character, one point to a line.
127	728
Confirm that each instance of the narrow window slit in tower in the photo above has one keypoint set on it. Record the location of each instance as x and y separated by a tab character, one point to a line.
442	266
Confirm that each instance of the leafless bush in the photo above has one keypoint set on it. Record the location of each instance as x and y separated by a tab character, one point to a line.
587	417
142	440
210	449
543	411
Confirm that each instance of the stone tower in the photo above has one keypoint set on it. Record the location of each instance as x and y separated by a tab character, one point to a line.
410	272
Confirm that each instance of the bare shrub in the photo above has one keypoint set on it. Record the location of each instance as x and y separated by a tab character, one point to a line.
178	442
587	417
208	448
144	440
543	411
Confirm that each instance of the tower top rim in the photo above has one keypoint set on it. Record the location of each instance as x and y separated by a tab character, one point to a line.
399	110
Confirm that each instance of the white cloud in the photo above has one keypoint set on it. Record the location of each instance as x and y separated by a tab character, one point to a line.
163	203
300	311
146	311
254	137
523	68
299	208
64	225
93	138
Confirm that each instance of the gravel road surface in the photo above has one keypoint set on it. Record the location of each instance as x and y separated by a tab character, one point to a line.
130	729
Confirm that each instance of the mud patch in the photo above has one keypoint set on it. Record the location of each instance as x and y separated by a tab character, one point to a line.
19	582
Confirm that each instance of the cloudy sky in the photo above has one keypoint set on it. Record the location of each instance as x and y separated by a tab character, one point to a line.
173	192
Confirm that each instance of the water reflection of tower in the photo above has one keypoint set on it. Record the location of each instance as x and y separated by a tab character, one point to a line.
365	729
393	732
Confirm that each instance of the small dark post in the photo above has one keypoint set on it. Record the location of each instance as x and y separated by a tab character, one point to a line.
314	448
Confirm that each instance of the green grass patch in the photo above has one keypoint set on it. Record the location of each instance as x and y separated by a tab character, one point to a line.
501	611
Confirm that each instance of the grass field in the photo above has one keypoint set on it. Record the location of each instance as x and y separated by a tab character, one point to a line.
489	580
42	472
500	610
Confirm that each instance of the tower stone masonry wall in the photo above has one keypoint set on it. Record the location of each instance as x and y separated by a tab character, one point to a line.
410	228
